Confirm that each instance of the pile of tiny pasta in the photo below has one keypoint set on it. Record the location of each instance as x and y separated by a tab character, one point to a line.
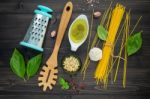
115	23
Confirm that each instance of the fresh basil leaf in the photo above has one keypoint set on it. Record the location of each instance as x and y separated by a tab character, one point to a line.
17	64
66	86
102	33
61	81
134	43
33	65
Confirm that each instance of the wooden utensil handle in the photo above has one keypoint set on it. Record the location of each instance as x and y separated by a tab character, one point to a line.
66	15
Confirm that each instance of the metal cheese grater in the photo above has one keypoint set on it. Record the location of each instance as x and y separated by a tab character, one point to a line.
37	29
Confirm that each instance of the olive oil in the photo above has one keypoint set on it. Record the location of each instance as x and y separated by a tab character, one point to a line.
78	30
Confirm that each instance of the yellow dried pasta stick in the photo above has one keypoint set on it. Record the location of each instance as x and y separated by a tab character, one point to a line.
102	68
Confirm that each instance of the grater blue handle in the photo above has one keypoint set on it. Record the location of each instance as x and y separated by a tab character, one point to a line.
43	10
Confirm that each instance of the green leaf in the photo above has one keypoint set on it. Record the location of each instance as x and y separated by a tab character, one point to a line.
17	64
61	81
102	33
134	43
33	65
66	86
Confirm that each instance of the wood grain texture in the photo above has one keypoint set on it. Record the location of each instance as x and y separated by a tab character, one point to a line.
15	17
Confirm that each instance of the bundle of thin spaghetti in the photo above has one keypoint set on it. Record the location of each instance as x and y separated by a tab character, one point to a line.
101	73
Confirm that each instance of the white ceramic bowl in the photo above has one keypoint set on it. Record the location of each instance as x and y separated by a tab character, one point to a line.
75	46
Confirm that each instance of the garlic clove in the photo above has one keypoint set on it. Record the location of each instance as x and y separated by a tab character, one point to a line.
95	54
97	14
53	33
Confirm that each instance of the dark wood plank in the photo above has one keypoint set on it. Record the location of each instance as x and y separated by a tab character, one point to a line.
14	21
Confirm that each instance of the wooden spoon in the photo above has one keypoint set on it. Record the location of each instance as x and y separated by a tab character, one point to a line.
48	75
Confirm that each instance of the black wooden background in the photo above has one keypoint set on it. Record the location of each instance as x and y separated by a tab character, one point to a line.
15	17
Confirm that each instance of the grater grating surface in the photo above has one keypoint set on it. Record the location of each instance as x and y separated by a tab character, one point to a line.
37	29
36	32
